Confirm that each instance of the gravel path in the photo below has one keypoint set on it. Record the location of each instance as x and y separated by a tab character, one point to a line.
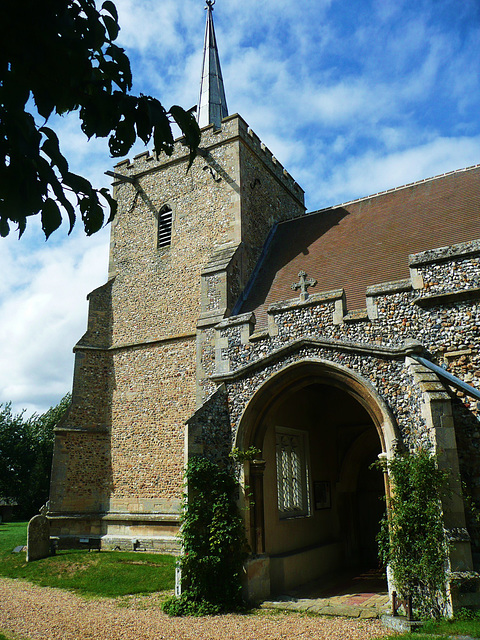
50	614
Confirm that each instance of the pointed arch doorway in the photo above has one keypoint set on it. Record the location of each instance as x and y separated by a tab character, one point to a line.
316	502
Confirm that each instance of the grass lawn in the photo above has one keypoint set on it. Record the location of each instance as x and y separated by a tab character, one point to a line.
115	574
108	573
444	629
454	627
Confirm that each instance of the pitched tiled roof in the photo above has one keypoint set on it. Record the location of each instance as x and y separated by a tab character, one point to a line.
367	241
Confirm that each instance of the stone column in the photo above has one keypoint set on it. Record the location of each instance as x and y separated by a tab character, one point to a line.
257	469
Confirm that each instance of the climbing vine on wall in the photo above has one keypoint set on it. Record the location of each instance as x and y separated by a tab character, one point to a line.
412	539
241	455
213	542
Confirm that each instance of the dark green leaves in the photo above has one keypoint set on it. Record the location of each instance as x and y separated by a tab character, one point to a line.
213	541
51	217
412	539
162	133
66	60
111	203
187	123
87	199
112	27
52	149
112	9
143	119
92	215
26	447
78	184
4	227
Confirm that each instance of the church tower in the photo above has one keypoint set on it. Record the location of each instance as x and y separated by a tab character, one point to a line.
184	244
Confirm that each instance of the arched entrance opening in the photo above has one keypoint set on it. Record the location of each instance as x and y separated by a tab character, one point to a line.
317	501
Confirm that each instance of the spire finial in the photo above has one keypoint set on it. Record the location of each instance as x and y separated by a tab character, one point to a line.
212	104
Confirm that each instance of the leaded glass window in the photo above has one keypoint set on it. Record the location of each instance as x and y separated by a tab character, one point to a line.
292	487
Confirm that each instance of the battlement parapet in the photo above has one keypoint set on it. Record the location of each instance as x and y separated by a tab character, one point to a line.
271	161
233	332
242	320
319	297
444	254
395	286
443	313
446	270
357	315
233	128
147	160
323	306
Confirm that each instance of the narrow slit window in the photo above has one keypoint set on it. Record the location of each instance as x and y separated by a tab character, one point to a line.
164	226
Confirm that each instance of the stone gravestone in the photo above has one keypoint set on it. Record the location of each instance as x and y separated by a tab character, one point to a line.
38	538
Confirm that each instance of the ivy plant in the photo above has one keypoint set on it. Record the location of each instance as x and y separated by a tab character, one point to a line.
241	455
412	538
213	542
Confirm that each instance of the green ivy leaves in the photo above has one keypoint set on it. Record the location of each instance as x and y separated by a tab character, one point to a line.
213	542
412	539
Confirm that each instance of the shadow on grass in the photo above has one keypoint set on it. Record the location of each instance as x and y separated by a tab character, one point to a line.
108	573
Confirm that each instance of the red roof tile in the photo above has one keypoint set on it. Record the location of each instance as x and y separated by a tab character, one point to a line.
367	241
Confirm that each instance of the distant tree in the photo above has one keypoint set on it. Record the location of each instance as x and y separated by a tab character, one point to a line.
59	56
26	449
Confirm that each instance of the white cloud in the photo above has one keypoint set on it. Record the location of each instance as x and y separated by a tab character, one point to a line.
149	25
43	313
350	102
372	172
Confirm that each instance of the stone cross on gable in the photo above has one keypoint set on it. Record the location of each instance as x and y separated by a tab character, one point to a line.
303	285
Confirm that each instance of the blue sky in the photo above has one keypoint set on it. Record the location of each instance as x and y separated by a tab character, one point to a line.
353	97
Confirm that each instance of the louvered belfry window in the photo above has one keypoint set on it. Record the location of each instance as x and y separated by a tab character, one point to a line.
292	489
164	226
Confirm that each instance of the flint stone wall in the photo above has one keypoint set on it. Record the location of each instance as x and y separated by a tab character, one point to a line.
448	330
120	450
438	307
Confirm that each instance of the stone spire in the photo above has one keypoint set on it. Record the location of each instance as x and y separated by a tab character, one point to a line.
212	104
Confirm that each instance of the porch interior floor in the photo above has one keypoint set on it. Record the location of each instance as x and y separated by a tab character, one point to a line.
350	594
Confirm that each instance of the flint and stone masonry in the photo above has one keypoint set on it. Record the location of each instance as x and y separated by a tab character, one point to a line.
435	314
175	363
119	454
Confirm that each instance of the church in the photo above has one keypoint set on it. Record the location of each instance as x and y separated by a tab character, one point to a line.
232	318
